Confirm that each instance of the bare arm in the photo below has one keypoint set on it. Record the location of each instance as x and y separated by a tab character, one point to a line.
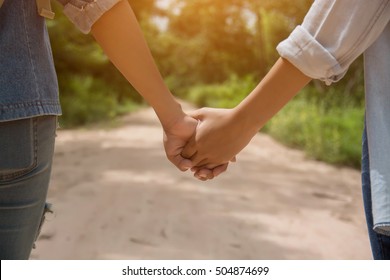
121	38
278	87
223	133
323	47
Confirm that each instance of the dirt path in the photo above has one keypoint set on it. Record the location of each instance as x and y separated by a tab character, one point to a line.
117	197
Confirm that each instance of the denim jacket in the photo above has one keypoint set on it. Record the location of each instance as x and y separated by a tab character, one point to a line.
333	34
28	82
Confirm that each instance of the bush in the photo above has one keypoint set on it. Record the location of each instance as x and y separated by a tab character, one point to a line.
85	100
226	95
330	134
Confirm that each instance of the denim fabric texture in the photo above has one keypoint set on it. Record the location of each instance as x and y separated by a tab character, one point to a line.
380	244
28	82
26	149
29	104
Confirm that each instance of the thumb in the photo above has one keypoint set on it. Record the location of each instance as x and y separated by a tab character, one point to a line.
197	114
189	150
181	163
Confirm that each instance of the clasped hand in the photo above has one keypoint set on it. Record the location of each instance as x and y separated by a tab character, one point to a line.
206	141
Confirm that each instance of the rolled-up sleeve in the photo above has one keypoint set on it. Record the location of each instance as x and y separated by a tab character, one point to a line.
333	34
84	13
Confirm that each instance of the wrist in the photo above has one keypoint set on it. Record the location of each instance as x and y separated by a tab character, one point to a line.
170	115
247	120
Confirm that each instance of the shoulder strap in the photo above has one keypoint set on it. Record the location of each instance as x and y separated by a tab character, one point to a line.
1	3
44	8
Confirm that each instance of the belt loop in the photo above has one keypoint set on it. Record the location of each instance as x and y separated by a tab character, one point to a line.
44	9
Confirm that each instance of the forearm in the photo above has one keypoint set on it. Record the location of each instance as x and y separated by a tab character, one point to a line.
120	36
278	87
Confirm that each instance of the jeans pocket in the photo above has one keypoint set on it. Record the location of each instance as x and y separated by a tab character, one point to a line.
18	148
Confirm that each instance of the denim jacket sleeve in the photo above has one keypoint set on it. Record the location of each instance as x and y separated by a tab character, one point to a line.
84	13
333	34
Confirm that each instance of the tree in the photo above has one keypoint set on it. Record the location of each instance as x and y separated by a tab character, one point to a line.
212	37
207	41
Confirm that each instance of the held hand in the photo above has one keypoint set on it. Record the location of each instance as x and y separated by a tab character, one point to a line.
219	137
204	173
176	137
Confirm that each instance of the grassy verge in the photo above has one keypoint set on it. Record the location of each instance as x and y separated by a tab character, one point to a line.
330	134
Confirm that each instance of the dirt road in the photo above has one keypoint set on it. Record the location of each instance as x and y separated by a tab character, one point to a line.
117	197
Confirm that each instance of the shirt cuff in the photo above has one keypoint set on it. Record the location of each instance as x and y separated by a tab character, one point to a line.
307	54
85	16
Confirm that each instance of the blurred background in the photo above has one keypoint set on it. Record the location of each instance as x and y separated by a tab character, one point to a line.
294	192
213	53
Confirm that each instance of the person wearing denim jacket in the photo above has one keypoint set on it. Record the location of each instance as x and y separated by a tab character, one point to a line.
333	34
29	104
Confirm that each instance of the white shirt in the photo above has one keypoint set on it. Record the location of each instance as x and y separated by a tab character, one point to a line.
333	34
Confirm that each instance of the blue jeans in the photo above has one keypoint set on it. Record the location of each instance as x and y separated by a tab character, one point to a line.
380	244
26	152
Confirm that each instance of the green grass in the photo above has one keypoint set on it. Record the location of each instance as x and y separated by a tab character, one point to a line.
330	134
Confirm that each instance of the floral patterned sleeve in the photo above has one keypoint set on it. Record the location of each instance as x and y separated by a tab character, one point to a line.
84	13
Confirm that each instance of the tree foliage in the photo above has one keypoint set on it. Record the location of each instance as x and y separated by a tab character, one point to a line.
203	42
